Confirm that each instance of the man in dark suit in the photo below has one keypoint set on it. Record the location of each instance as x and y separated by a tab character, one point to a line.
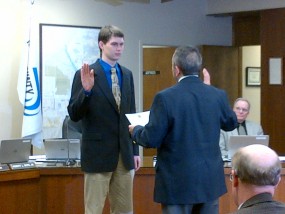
108	157
255	175
184	125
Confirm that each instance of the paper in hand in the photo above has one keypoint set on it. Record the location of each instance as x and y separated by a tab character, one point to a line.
140	118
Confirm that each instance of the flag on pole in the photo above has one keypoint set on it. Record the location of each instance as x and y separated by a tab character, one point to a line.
29	85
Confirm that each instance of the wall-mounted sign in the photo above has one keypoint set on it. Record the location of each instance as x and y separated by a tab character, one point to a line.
151	72
275	71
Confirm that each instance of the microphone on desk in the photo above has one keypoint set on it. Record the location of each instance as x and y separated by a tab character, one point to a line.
69	162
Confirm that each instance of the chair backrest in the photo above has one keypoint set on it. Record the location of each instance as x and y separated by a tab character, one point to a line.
71	129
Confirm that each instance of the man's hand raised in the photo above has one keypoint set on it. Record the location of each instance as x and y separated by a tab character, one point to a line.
87	77
206	77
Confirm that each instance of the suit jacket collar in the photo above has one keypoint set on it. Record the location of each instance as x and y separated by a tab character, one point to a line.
190	78
183	77
260	198
102	82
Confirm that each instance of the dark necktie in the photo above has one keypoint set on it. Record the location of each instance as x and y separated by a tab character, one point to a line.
241	130
115	87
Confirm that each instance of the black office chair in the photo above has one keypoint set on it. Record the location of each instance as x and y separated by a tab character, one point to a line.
71	129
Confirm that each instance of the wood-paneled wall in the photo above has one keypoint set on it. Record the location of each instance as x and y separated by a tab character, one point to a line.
267	28
246	29
272	36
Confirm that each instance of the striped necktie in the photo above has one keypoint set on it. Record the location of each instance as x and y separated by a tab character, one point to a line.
115	87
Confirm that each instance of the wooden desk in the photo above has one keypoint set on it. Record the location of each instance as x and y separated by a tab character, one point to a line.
62	191
59	190
19	192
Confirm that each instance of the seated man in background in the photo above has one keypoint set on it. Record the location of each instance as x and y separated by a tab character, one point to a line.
255	175
246	127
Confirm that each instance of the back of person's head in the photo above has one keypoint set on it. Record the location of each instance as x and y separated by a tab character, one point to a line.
188	59
257	165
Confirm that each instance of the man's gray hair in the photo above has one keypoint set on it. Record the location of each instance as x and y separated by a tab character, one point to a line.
188	59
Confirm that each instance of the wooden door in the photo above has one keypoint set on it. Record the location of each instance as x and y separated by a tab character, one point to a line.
157	72
157	75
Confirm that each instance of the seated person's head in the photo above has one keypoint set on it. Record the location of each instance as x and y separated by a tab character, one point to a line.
241	108
255	169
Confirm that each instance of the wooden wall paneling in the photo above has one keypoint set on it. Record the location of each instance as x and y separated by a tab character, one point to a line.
246	29
273	96
224	66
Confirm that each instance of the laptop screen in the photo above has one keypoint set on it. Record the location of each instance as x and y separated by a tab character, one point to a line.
62	149
236	142
15	150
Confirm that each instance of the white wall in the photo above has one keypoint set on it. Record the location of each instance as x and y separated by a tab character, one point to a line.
229	6
173	23
251	57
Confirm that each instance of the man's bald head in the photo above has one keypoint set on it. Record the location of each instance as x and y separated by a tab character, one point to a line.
257	164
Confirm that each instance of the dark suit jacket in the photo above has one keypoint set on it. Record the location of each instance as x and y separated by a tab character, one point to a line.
105	131
261	204
184	125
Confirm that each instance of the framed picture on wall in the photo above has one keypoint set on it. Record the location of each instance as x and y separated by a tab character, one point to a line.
253	77
63	50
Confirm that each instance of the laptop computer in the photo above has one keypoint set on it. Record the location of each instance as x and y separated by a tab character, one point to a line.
62	149
74	149
15	150
236	142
